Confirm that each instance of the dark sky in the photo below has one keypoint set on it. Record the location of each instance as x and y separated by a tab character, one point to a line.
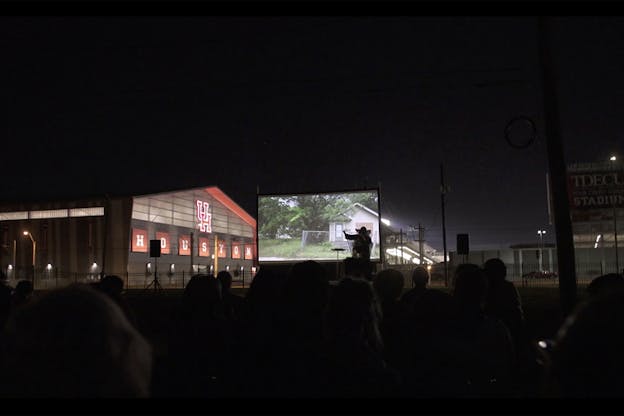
130	104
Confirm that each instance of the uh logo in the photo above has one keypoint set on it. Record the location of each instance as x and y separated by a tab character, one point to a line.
204	216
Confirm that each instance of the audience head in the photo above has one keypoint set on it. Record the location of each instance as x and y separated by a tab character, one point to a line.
307	285
203	291
75	342
265	289
587	357
470	286
24	289
388	285
605	284
225	278
112	285
354	314
495	270
420	277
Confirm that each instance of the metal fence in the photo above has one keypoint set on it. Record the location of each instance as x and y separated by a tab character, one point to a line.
529	275
45	280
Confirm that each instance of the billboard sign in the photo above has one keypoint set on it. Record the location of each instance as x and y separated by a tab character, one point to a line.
594	189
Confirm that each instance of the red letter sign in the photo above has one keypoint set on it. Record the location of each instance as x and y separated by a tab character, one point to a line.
221	248
164	242
236	251
184	245
139	240
248	252
204	247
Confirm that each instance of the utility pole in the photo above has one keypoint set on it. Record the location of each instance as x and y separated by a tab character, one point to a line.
442	197
401	242
557	169
421	243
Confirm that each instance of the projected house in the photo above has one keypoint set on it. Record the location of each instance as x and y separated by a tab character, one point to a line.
353	219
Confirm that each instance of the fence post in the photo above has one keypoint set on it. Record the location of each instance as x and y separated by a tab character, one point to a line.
182	279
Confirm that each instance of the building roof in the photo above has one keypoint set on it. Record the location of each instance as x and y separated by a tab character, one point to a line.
68	200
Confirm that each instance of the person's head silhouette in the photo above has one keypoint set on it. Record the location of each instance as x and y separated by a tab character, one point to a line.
75	342
225	278
495	270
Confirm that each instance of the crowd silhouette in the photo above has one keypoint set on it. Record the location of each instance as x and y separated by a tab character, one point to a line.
299	335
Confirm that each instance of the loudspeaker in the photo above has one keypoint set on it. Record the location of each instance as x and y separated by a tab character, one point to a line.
462	244
154	248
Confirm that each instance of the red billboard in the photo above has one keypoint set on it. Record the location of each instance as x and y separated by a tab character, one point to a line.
139	240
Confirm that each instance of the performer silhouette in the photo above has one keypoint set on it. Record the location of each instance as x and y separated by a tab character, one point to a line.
361	243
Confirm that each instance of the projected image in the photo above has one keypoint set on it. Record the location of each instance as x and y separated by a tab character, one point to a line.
313	226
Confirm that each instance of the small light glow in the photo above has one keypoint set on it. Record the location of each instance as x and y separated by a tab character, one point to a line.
211	268
49	266
26	233
94	265
598	237
542	344
242	268
10	267
227	268
429	267
612	158
385	221
253	269
172	267
149	265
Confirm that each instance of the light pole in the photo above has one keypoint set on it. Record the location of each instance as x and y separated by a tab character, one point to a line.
34	256
541	234
612	160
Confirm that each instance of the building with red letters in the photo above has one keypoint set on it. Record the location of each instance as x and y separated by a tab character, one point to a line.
199	230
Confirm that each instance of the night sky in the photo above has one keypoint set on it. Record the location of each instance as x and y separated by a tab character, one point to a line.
134	105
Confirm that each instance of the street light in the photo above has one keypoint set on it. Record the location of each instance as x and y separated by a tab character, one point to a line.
34	244
541	234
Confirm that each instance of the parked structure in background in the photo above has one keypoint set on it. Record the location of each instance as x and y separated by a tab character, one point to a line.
201	231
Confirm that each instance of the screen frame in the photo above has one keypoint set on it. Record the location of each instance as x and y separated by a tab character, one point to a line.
299	193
